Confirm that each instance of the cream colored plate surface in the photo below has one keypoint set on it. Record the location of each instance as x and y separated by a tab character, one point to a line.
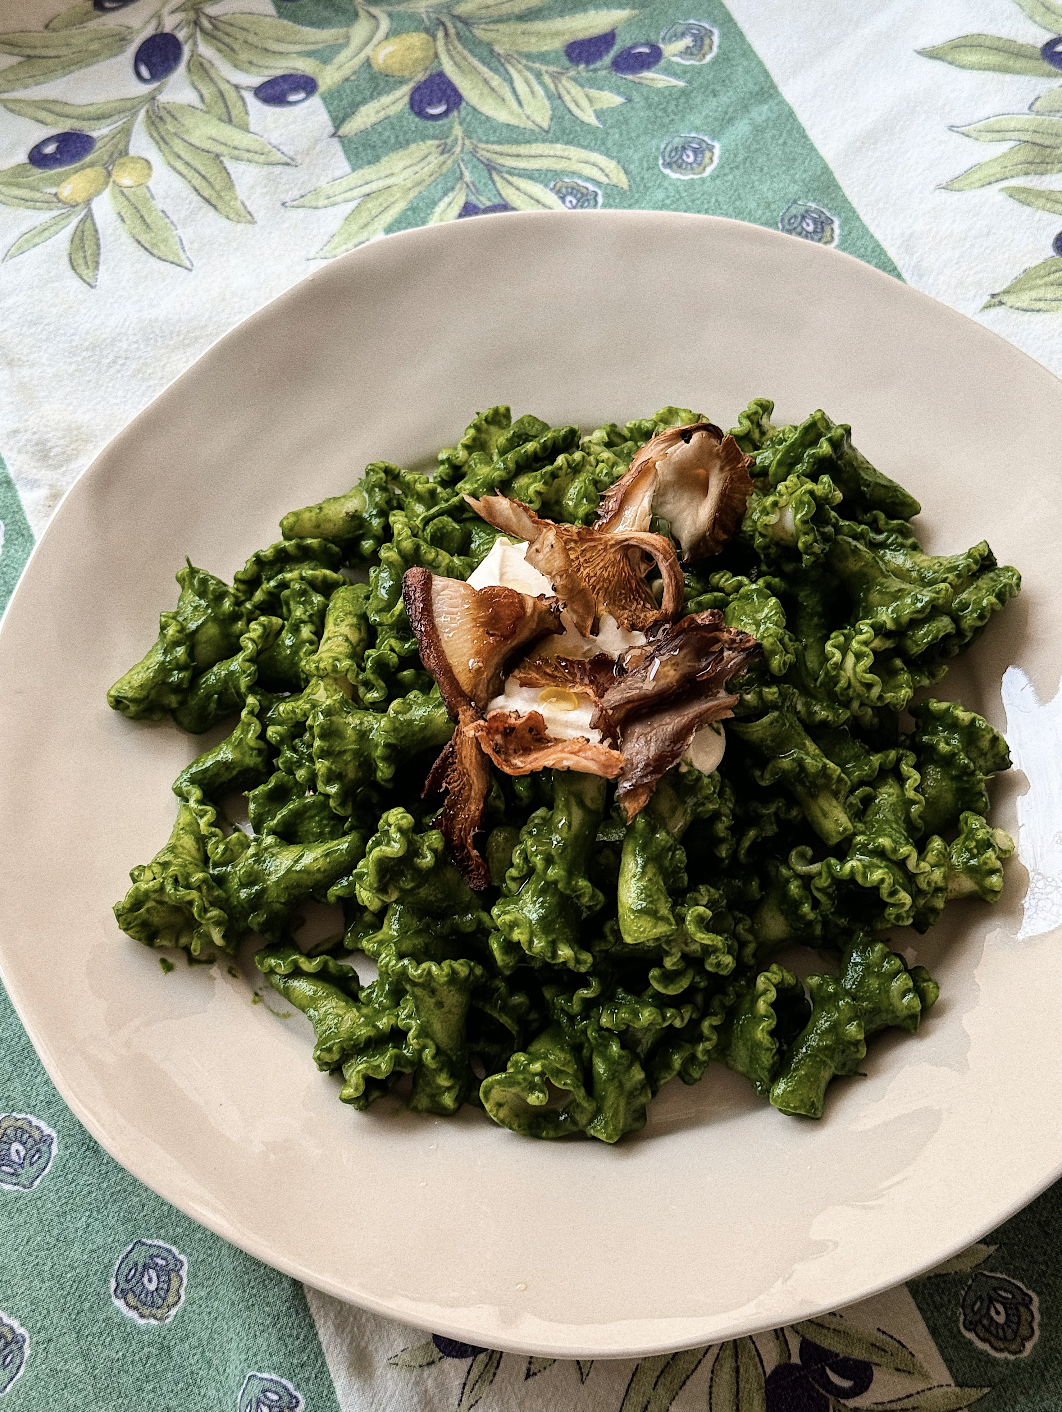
723	1217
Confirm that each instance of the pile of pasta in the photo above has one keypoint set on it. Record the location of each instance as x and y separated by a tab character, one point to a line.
571	953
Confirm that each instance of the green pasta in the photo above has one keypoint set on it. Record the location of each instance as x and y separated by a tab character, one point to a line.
586	917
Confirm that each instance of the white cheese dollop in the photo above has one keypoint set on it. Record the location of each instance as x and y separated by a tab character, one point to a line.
705	750
504	567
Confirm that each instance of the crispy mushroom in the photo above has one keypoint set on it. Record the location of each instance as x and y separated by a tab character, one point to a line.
593	573
694	477
519	744
679	687
466	635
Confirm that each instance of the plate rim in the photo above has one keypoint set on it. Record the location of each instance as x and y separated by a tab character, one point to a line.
245	1239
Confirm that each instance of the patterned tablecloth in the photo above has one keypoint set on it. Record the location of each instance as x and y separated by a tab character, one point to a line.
169	167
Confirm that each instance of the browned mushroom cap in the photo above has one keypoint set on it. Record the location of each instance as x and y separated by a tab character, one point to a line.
679	687
462	771
593	573
694	477
520	744
467	635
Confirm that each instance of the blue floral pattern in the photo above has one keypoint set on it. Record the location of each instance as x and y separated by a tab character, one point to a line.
809	222
266	1392
27	1149
688	154
149	1281
14	1350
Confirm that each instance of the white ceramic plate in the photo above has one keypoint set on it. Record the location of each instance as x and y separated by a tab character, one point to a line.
723	1217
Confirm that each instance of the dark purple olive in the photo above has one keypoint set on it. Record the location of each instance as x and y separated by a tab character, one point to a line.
434	98
62	149
1052	52
498	206
469	209
286	89
450	1348
157	57
789	1390
636	58
1056	244
106	7
589	51
833	1373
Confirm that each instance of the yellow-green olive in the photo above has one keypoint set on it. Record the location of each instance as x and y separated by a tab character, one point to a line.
131	171
83	186
403	55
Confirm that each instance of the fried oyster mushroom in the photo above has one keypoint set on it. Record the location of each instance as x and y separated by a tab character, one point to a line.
466	636
593	573
695	477
679	686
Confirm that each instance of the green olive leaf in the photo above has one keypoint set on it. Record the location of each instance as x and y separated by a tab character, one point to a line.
654	80
601	98
79	13
1037	291
528	91
481	1373
737	1383
1045	13
478	85
421	1355
203	171
243	53
202	129
839	1335
28	198
148	224
219	97
1043	131
1036	197
1049	102
1026	159
41	233
525	195
673	1377
85	249
279	36
365	33
405	165
86	117
534	36
29	72
553	157
449	207
939	1399
376	211
376	111
66	44
494	9
575	99
991	53
966	1260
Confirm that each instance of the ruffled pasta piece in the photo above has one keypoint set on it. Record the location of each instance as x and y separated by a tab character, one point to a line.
223	688
284	664
832	1042
356	520
205	627
239	762
547	891
794	518
795	761
754	427
271	570
958	751
975	859
820	447
174	901
770	1010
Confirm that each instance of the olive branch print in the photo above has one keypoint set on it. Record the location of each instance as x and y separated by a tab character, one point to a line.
1036	136
819	1365
465	52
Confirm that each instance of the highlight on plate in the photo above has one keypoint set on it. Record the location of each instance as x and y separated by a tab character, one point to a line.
586	733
